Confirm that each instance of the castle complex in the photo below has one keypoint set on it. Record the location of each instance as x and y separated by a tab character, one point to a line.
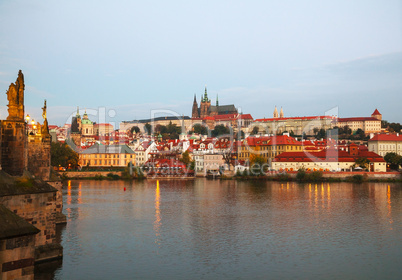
207	110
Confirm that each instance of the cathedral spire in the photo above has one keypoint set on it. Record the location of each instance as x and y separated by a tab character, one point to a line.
206	94
217	101
281	115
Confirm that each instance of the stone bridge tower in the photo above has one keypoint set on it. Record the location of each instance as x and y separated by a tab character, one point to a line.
13	131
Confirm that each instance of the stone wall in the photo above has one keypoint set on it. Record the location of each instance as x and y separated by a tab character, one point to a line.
60	217
17	256
86	174
13	144
39	156
39	209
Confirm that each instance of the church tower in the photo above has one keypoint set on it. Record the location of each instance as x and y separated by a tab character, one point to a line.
281	115
205	104
276	115
194	113
376	115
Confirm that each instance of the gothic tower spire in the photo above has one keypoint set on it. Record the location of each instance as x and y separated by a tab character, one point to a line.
217	101
194	113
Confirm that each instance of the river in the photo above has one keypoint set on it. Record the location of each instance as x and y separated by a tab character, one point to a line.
203	229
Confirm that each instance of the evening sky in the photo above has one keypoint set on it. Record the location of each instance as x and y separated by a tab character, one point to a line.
132	57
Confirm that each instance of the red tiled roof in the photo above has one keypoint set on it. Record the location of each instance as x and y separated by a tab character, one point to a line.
386	137
295	118
357	119
103	124
376	112
272	140
329	155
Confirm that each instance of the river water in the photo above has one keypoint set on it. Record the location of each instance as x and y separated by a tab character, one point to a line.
202	229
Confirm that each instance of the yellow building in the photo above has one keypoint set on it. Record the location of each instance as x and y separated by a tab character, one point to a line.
106	156
103	129
386	143
367	124
327	160
267	146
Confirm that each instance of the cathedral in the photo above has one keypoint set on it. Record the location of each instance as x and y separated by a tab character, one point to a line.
206	110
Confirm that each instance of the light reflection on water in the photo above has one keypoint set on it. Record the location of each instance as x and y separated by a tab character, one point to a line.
226	229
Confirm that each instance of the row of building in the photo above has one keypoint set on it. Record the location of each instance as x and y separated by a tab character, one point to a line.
101	146
280	152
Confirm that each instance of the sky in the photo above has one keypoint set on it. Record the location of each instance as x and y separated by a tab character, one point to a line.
137	59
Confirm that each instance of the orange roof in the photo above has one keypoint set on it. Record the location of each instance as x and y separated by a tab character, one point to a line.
329	155
272	140
386	137
376	112
295	118
357	119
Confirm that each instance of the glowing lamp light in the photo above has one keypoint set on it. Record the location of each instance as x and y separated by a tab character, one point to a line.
27	118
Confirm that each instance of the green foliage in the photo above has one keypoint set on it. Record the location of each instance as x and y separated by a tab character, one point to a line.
255	130
357	178
394	160
200	129
99	177
170	131
185	158
258	165
283	177
391	127
192	165
303	176
148	128
135	129
220	130
321	134
240	133
112	176
63	155
362	162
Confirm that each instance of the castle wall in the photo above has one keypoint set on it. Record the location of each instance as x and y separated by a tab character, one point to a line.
39	209
39	156
17	257
13	144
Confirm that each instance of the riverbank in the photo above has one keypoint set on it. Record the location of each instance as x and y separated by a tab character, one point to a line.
314	176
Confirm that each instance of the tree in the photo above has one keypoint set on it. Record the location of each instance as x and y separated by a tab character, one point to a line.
220	130
360	134
394	160
200	129
363	162
239	133
148	128
185	158
135	129
258	164
62	155
255	130
321	134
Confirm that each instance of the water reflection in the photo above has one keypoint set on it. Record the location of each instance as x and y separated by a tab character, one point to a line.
158	222
229	229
